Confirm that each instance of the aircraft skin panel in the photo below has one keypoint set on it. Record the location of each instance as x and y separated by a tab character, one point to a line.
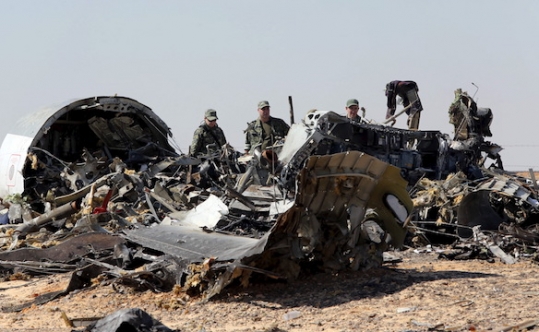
28	131
12	157
109	104
37	123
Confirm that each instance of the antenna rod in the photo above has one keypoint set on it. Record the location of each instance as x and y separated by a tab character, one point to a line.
473	97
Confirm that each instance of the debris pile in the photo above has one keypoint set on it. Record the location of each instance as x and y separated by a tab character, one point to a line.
104	194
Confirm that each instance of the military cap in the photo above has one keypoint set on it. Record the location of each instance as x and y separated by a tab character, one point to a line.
352	102
263	104
211	115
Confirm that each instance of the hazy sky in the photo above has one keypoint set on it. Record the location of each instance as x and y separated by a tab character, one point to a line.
183	57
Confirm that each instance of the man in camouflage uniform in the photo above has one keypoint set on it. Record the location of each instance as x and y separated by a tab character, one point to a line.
352	107
206	134
264	131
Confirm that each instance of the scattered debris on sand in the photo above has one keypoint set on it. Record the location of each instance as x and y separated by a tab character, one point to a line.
101	192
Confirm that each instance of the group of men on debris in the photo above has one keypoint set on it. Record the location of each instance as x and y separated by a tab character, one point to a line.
266	130
262	132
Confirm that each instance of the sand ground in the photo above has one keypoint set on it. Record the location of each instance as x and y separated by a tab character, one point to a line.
421	293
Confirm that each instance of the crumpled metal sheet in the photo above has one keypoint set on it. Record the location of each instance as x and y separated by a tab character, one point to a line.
336	200
131	319
334	194
475	209
507	186
194	244
206	214
323	225
68	250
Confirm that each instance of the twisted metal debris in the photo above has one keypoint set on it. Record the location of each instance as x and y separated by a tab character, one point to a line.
104	192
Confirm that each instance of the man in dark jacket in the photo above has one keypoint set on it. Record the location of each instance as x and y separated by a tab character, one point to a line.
407	90
352	107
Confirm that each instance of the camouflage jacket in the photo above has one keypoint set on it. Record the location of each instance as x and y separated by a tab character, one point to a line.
255	135
205	135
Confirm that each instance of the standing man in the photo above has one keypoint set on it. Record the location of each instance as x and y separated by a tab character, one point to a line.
206	134
407	90
352	107
264	131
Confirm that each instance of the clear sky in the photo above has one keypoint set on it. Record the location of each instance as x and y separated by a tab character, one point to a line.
183	57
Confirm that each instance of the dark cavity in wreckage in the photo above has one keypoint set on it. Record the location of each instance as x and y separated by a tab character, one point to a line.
100	188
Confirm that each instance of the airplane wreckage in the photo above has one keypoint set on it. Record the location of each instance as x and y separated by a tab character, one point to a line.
100	188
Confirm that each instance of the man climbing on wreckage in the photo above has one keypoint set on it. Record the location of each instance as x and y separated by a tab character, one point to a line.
472	125
407	90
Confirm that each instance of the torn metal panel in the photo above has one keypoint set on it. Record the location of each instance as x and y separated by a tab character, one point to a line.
75	115
194	244
12	160
66	251
56	139
451	208
508	187
128	320
325	226
334	194
207	214
493	201
336	197
255	199
445	174
416	153
475	209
